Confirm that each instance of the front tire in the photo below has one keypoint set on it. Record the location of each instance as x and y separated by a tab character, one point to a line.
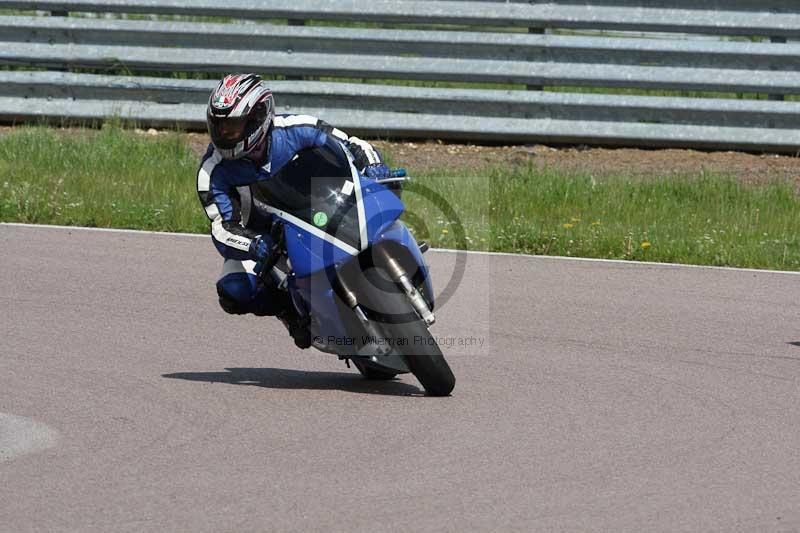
426	361
389	306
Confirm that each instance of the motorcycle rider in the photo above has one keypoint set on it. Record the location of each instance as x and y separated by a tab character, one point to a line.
249	143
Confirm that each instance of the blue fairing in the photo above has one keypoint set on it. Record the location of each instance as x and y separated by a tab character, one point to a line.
381	206
317	197
309	253
314	293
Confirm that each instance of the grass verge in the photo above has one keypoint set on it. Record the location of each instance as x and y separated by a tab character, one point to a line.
117	178
110	178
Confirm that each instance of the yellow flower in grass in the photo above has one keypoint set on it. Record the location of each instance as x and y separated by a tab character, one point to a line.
445	231
596	223
575	220
645	245
568	226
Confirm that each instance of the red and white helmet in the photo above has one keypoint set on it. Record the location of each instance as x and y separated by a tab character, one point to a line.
240	112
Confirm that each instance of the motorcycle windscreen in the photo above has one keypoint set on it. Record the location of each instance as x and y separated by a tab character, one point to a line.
317	188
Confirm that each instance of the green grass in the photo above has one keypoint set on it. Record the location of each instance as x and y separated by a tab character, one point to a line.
110	178
705	220
116	178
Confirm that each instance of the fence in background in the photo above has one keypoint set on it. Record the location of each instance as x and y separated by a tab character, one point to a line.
470	70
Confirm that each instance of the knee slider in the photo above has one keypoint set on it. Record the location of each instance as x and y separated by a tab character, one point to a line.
235	293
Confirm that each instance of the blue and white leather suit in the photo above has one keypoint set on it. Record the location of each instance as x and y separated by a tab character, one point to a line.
218	186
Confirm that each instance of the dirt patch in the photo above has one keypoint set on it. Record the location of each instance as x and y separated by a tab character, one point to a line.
599	162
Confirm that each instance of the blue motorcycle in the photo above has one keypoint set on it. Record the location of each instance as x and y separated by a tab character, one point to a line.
351	268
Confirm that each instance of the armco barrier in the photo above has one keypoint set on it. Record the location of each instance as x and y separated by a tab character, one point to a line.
498	50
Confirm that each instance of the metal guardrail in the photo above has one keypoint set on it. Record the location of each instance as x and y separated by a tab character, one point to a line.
514	116
522	47
554	14
505	63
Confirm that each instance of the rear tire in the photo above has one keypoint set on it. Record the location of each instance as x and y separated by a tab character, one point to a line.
389	306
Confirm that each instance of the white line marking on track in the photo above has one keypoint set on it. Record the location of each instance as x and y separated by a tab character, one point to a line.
20	436
620	262
108	230
438	250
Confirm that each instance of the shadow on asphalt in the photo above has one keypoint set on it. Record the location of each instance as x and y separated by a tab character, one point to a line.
794	343
280	378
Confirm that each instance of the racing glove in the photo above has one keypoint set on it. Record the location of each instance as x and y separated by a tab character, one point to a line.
259	249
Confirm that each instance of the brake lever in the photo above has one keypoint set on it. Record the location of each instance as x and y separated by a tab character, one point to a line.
392	180
396	175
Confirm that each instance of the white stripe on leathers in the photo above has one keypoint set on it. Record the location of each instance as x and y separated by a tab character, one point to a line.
227	238
295	120
232	266
204	182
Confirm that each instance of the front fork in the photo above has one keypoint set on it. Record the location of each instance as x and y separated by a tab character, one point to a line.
400	276
350	300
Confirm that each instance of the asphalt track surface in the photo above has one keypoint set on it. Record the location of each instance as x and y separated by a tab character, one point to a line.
606	397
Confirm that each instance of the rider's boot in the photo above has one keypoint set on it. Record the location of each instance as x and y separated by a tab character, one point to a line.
268	304
279	304
297	326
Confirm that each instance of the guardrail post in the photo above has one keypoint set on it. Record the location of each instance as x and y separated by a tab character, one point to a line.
536	31
59	14
295	22
777	97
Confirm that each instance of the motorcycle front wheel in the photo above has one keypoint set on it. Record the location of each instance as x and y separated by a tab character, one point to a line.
389	307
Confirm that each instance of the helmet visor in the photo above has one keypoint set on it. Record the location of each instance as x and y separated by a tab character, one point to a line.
227	132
